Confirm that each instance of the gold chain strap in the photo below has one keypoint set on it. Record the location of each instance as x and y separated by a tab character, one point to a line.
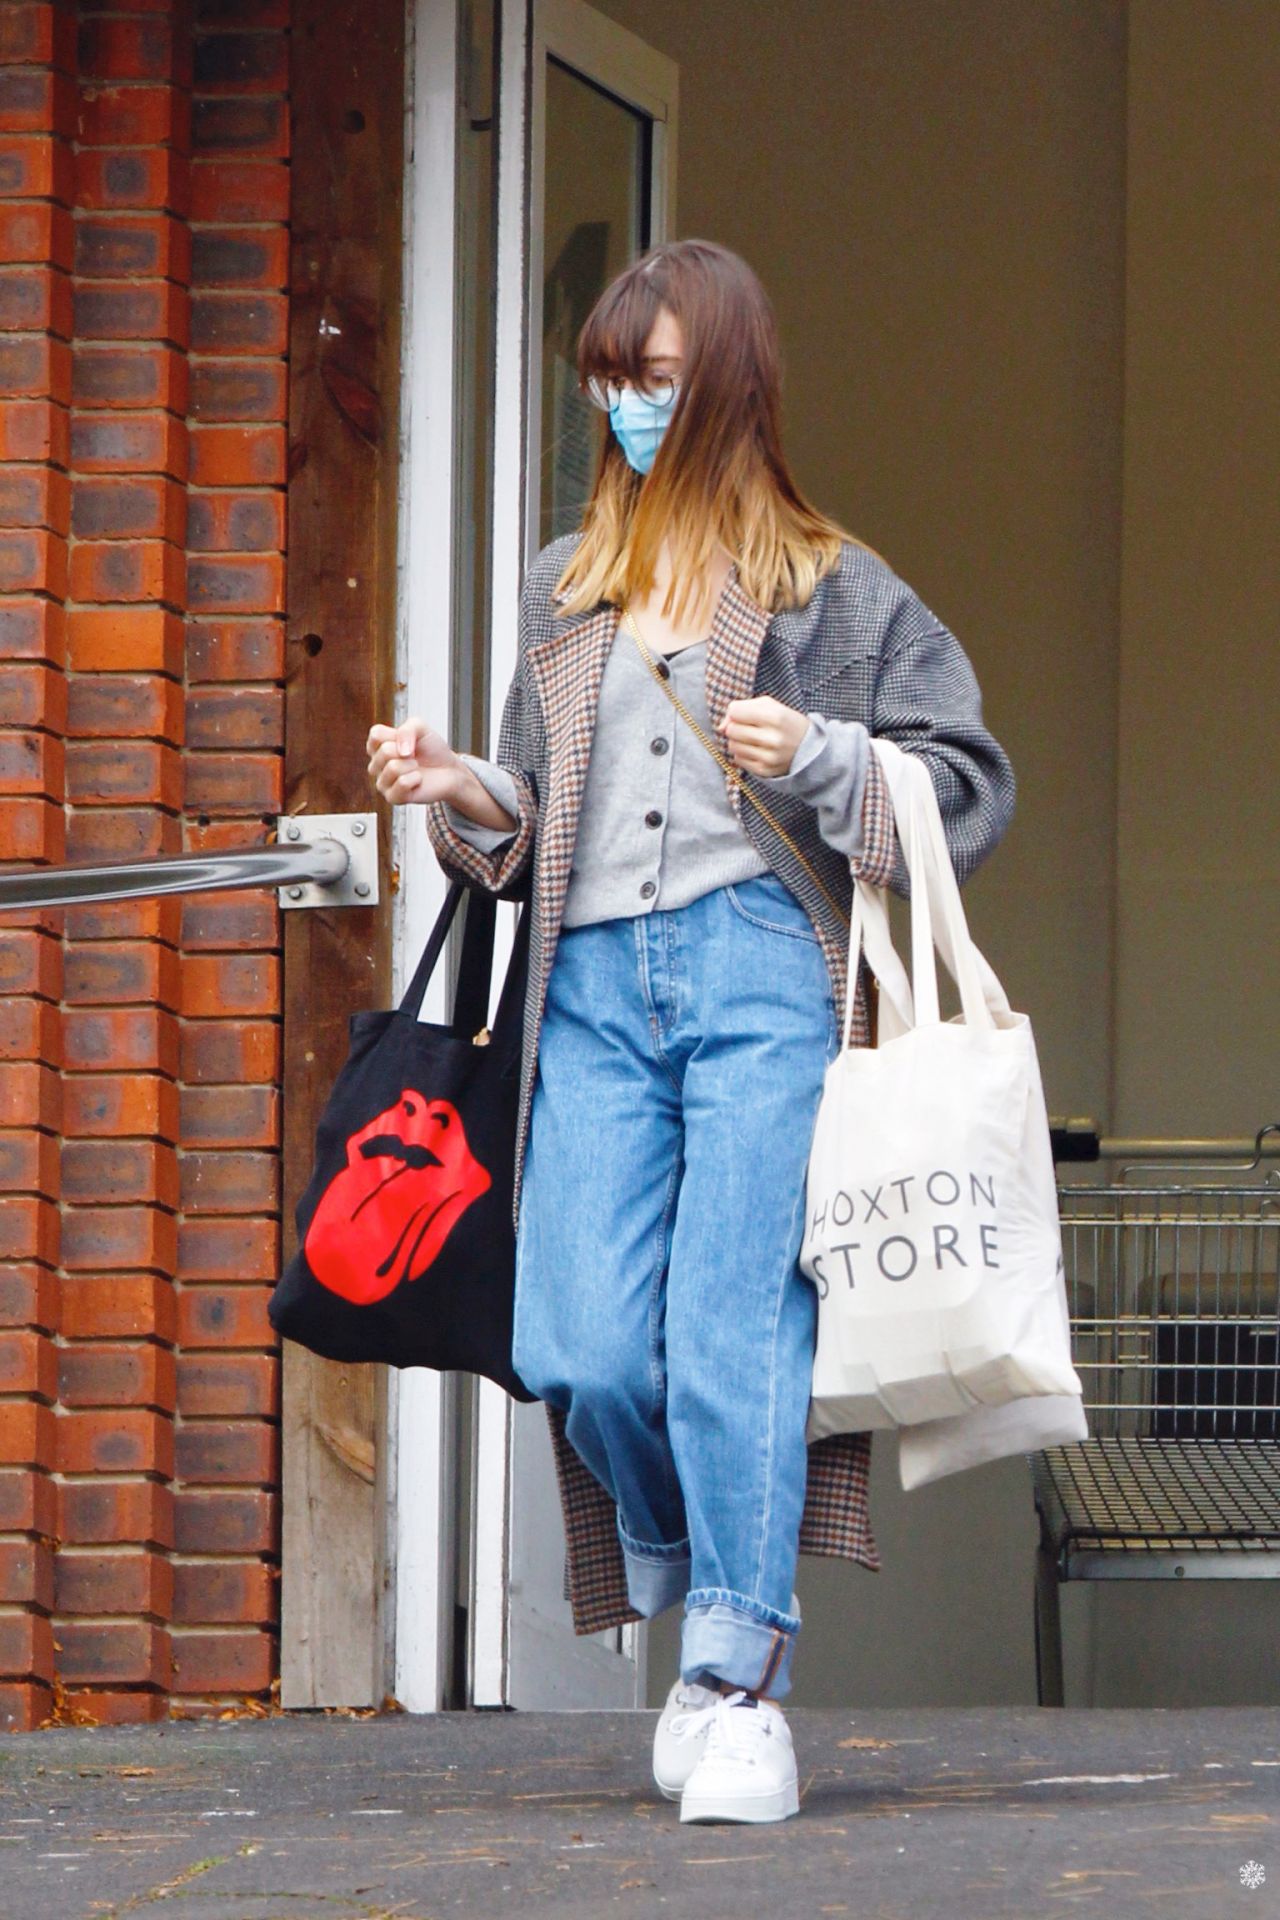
736	774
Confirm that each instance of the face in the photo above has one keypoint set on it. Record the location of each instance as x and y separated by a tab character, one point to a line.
664	349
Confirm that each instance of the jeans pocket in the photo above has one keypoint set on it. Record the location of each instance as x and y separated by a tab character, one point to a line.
768	902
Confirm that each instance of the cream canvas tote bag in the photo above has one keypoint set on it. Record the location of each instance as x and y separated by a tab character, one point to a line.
931	1220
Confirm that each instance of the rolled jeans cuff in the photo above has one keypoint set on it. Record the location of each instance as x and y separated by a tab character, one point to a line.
657	1574
730	1637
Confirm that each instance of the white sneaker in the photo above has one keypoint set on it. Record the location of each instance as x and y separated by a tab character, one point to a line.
680	1735
748	1765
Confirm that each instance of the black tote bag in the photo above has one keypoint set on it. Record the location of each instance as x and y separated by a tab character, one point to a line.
406	1250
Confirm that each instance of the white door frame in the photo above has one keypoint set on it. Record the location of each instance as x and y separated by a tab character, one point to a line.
511	1449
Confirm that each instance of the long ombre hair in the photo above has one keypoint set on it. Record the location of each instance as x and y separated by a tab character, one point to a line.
720	479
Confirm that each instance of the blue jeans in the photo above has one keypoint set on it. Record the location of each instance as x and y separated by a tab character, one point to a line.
659	1301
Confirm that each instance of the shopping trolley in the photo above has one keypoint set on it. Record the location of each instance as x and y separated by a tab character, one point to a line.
1173	1287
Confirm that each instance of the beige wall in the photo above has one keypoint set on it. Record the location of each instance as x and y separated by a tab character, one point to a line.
1024	258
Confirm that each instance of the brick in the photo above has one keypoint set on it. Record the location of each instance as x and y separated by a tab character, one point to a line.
132	376
130	1583
129	507
35	34
125	706
31	1095
29	1228
118	1306
32	830
116	1706
230	1183
29	1364
151	245
235	1053
113	1104
128	1653
111	48
118	1171
203	835
135	116
228	1116
36	231
34	167
36	364
32	630
36	430
230	390
29	1030
39	299
239	190
242	13
27	1434
24	1706
229	522
237	456
104	442
31	762
26	1644
109	772
95	1374
116	1440
98	1039
229	984
133	310
33	560
128	570
228	1383
229	922
235	650
124	640
115	975
107	1512
30	963
121	833
228	1249
230	1316
107	179
35	100
225	1522
158	919
240	257
239	323
28	1163
35	497
234	1591
251	783
28	1502
225	1452
33	696
26	1576
240	63
118	1239
241	127
223	1662
249	583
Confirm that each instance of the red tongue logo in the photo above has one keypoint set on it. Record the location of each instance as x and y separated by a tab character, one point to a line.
409	1177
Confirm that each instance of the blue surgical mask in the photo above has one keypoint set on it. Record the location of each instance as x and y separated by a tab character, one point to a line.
639	424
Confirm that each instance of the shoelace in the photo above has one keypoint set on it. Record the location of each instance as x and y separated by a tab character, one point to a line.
731	1735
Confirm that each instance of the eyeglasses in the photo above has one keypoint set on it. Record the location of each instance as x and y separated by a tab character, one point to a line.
660	388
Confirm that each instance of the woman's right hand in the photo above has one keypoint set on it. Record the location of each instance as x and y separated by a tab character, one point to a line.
412	764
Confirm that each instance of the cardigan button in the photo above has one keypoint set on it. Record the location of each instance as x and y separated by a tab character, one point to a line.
653	818
648	890
659	745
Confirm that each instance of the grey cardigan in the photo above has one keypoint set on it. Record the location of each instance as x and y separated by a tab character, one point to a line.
864	648
657	829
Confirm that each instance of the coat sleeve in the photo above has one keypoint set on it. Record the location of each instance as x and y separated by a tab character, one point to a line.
504	869
927	701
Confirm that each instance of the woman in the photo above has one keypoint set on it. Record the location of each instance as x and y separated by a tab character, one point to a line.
686	963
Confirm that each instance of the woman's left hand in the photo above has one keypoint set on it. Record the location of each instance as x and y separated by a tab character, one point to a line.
762	734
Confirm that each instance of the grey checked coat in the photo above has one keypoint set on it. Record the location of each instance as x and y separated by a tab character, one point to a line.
864	648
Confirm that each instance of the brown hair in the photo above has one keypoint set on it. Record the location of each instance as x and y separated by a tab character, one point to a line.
720	478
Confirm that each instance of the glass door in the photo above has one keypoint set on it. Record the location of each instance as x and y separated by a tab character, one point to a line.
586	169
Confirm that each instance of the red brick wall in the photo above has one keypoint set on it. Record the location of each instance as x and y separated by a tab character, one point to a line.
144	199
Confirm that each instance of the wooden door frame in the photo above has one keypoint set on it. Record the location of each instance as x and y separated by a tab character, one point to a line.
347	89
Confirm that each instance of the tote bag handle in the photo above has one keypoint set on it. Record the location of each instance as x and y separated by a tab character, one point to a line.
937	915
475	968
